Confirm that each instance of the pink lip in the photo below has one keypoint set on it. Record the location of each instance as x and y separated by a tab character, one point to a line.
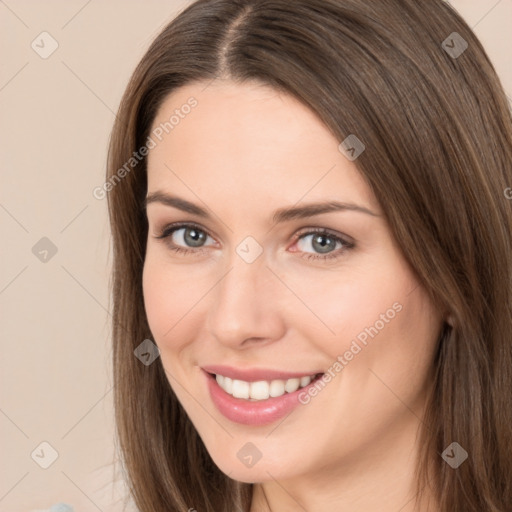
255	374
253	413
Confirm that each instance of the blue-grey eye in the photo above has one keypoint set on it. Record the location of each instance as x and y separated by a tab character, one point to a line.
191	236
322	242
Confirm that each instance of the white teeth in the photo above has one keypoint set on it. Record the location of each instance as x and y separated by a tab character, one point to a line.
240	389
304	381
228	385
277	388
292	385
261	390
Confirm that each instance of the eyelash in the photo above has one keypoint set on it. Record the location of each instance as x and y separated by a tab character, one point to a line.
171	228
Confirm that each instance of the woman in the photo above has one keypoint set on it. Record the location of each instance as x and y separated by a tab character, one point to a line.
312	286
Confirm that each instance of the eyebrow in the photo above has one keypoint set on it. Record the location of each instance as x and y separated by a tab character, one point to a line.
280	215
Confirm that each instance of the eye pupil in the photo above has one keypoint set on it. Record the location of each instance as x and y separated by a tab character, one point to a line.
322	244
196	237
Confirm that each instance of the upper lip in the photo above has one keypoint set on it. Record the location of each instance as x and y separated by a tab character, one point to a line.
255	374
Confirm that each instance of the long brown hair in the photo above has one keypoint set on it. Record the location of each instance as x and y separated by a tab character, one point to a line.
412	81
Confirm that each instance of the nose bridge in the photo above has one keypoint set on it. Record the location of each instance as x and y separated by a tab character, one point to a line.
245	304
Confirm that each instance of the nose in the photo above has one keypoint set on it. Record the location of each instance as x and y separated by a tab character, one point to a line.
247	305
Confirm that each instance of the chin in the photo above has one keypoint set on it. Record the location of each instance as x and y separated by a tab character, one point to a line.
261	470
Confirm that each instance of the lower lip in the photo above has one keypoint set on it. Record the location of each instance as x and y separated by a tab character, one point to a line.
261	412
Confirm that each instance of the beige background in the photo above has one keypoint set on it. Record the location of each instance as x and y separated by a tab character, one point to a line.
56	117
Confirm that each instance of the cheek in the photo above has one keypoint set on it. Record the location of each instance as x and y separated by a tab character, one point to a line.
339	306
372	319
175	301
389	346
165	298
156	301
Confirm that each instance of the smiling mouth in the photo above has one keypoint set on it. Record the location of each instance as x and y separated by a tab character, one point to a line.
263	389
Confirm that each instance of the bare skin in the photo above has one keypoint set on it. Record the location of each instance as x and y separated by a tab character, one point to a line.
241	153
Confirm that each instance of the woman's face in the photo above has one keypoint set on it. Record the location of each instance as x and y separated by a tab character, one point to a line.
268	304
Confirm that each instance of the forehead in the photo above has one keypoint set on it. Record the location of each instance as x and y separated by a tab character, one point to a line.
250	141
